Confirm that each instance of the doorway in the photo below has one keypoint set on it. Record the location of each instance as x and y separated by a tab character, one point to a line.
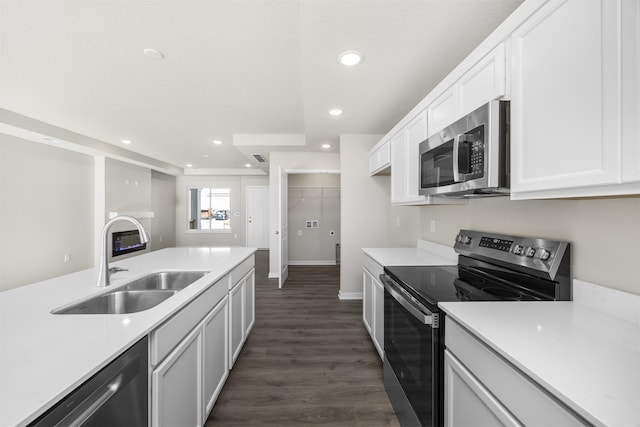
258	217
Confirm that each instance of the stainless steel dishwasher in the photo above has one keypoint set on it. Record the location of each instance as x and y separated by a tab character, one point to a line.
118	395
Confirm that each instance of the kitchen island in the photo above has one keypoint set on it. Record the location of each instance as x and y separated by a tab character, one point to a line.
44	356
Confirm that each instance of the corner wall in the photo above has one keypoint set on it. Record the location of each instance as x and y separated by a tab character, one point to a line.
368	219
46	212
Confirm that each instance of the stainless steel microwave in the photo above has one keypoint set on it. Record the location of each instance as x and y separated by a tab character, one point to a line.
469	158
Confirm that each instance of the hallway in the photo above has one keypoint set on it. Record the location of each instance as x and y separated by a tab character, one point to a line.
308	360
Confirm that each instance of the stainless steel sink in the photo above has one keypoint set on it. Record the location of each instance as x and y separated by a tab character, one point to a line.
118	302
172	280
139	295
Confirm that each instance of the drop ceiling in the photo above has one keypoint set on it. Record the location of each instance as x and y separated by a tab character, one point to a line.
261	72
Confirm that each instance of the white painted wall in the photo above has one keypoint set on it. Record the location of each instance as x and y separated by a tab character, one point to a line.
238	185
46	211
313	197
291	162
368	219
163	204
604	232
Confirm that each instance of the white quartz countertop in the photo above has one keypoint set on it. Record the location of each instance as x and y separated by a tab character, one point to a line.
427	253
43	356
587	359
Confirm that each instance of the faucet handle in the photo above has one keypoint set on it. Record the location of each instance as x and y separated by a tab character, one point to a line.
117	269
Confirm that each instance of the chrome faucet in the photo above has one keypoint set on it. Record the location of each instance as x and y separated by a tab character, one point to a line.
105	272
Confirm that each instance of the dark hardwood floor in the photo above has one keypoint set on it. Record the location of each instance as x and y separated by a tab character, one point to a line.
308	361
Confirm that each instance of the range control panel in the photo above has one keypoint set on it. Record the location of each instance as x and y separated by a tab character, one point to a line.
536	253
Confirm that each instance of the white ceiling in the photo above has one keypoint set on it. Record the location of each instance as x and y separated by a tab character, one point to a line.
231	67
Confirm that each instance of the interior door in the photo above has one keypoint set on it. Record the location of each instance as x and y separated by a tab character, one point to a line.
283	223
258	217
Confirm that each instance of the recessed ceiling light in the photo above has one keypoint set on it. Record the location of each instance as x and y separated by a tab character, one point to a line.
189	165
326	146
350	58
247	165
205	155
153	53
217	142
126	141
52	140
335	112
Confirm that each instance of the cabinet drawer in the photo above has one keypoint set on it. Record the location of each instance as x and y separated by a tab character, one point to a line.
531	404
372	267
241	270
169	334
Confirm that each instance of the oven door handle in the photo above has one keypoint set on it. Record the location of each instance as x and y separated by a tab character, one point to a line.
417	310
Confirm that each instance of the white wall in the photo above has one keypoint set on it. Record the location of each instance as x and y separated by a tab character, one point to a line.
368	219
163	205
238	185
291	162
46	211
313	197
604	232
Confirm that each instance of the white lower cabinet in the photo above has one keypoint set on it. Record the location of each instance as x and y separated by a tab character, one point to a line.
373	303
192	352
241	314
216	353
482	388
177	385
468	402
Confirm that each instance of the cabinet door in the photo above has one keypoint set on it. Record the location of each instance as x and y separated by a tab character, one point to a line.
380	159
378	315
367	301
484	82
416	132
564	110
249	302
177	385
630	22
398	159
216	353
441	112
236	329
467	402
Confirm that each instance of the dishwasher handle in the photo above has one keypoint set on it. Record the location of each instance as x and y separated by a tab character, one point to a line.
412	305
107	390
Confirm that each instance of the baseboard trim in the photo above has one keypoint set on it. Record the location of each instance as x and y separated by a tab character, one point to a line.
312	262
349	295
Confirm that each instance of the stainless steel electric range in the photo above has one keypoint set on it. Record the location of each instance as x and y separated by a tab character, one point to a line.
491	267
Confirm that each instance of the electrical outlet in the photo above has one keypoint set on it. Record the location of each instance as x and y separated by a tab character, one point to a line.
67	258
299	232
432	225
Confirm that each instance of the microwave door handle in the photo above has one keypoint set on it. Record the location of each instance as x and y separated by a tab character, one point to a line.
457	141
456	152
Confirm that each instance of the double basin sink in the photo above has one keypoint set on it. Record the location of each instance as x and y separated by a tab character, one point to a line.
139	295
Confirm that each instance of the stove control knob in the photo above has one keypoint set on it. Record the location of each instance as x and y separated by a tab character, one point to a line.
544	254
466	240
530	252
518	250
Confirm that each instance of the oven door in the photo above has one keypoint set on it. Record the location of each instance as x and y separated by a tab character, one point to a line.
413	357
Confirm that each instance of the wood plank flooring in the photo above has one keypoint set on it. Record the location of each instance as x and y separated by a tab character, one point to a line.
308	361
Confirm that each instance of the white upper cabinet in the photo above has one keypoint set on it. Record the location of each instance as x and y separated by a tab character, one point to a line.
380	159
574	112
482	82
631	90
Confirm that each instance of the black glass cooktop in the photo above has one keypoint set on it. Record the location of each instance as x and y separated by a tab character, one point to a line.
434	284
